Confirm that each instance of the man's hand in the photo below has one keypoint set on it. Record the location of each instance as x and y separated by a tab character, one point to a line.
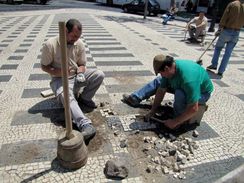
171	123
148	116
218	32
80	78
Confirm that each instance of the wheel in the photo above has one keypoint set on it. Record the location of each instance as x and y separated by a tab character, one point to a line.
125	10
43	2
10	1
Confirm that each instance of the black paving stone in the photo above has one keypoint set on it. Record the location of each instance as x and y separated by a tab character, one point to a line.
15	33
90	59
241	69
33	93
9	66
104	43
3	45
25	152
21	51
84	35
32	36
39	56
7	40
15	57
1	91
5	78
105	39
148	39
220	83
141	35
128	73
113	55
12	36
236	62
122	63
37	77
210	172
164	49
173	55
37	117
28	40
240	96
37	65
107	48
24	45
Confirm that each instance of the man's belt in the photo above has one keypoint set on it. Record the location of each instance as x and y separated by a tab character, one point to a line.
232	29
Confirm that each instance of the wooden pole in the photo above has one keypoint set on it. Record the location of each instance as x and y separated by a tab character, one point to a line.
64	64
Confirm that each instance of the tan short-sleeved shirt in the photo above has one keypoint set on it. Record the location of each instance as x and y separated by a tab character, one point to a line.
51	53
199	21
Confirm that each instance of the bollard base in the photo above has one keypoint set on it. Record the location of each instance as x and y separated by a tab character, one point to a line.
72	153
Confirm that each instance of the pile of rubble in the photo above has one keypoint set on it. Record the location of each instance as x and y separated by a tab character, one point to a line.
169	155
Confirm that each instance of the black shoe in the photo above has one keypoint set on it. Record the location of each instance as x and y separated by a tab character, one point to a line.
88	103
88	131
220	75
211	67
128	99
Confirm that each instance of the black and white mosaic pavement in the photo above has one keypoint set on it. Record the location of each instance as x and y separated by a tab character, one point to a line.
31	124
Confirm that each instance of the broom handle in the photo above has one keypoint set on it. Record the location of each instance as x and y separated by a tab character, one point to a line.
64	64
207	47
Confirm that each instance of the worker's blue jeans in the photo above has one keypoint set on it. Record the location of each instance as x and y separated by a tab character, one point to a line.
179	96
230	38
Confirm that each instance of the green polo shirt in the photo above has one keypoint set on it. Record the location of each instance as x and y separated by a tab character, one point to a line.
191	78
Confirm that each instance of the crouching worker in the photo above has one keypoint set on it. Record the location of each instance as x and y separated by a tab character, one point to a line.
83	82
197	27
188	81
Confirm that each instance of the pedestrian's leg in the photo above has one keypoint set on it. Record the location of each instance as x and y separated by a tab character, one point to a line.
228	50
218	47
191	32
179	102
147	90
94	79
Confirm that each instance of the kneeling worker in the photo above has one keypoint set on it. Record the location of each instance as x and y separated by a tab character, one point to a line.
188	81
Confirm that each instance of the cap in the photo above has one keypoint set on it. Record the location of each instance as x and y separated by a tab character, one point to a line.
158	62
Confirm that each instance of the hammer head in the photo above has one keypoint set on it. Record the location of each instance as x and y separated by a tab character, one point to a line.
199	62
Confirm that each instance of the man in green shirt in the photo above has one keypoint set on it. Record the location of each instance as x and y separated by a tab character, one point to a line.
188	81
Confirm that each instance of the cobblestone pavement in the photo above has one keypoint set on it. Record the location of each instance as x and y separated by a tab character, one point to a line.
121	45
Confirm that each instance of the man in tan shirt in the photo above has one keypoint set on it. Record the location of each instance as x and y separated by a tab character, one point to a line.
199	28
83	82
229	29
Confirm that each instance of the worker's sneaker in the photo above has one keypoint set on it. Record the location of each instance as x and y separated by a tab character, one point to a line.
88	131
211	67
220	75
88	103
130	100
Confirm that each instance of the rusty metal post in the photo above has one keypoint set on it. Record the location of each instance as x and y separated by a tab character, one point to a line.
64	64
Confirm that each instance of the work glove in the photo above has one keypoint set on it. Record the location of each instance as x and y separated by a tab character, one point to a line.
80	78
217	33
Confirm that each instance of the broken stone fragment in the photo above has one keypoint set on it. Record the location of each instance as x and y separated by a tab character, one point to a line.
149	169
163	153
185	152
115	169
176	167
147	139
102	104
165	170
172	137
157	160
116	132
195	146
123	143
181	176
158	168
137	131
195	133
